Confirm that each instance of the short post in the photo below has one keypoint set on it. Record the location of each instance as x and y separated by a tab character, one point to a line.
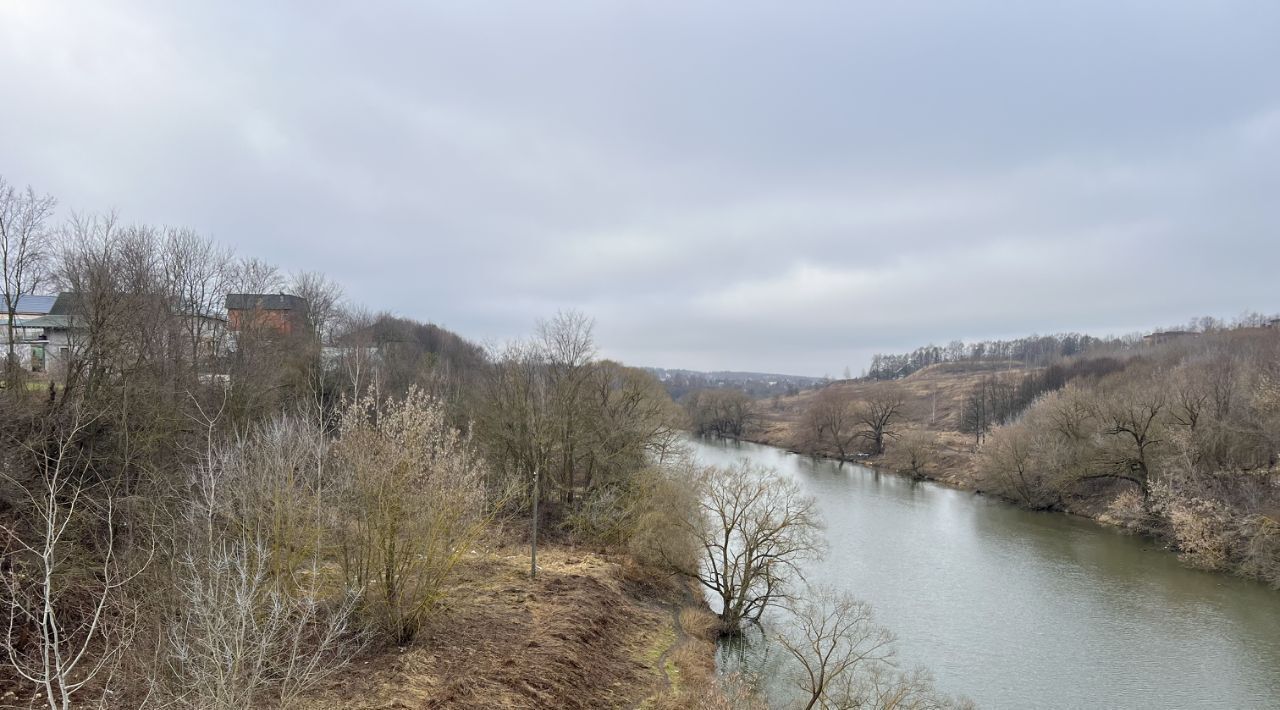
533	544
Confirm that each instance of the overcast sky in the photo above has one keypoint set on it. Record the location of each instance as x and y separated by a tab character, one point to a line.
777	186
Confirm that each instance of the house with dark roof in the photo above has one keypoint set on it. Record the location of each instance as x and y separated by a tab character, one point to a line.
55	337
28	310
267	313
55	341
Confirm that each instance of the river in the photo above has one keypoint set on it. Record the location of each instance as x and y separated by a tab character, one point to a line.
1019	609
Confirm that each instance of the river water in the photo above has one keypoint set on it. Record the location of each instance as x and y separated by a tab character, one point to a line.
1017	609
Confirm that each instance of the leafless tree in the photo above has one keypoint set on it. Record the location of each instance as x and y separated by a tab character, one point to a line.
721	412
253	275
568	347
831	638
754	528
877	414
62	628
1131	419
91	269
915	452
24	251
198	273
324	300
831	423
239	640
356	348
843	660
511	419
629	418
413	493
1013	465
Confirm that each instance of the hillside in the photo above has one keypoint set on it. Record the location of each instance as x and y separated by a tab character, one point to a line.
587	633
1176	436
935	398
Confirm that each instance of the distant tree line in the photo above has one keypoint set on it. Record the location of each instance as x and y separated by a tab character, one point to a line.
1039	350
1034	350
680	383
1000	398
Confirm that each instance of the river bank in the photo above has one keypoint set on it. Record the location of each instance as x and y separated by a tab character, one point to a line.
954	464
926	446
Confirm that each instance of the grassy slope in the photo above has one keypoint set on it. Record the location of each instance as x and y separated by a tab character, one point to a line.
589	632
935	396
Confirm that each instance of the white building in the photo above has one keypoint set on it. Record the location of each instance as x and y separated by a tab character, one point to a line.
27	331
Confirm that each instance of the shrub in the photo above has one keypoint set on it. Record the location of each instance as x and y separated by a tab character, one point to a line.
239	639
413	498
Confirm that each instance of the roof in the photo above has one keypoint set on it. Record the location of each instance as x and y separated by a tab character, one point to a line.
33	304
66	303
265	302
54	322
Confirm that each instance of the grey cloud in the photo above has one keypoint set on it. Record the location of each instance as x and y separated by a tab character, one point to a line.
743	185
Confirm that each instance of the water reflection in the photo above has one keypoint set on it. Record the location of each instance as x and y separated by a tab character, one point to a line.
1020	609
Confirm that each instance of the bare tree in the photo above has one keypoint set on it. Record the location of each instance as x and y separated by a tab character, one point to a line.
878	413
832	638
568	346
1012	464
721	412
356	348
324	300
915	452
253	275
24	251
1131	419
238	640
831	423
754	528
843	660
198	273
60	631
413	491
90	268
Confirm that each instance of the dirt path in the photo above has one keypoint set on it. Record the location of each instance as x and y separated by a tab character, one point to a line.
664	663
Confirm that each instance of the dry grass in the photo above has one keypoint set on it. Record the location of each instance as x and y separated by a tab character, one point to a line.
576	637
935	397
699	623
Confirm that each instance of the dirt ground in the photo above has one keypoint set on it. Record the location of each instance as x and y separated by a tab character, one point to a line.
587	633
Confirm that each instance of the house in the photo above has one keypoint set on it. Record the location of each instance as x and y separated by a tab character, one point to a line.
278	313
58	327
63	332
28	308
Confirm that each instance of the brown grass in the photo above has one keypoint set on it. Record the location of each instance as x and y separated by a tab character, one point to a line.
576	637
935	397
